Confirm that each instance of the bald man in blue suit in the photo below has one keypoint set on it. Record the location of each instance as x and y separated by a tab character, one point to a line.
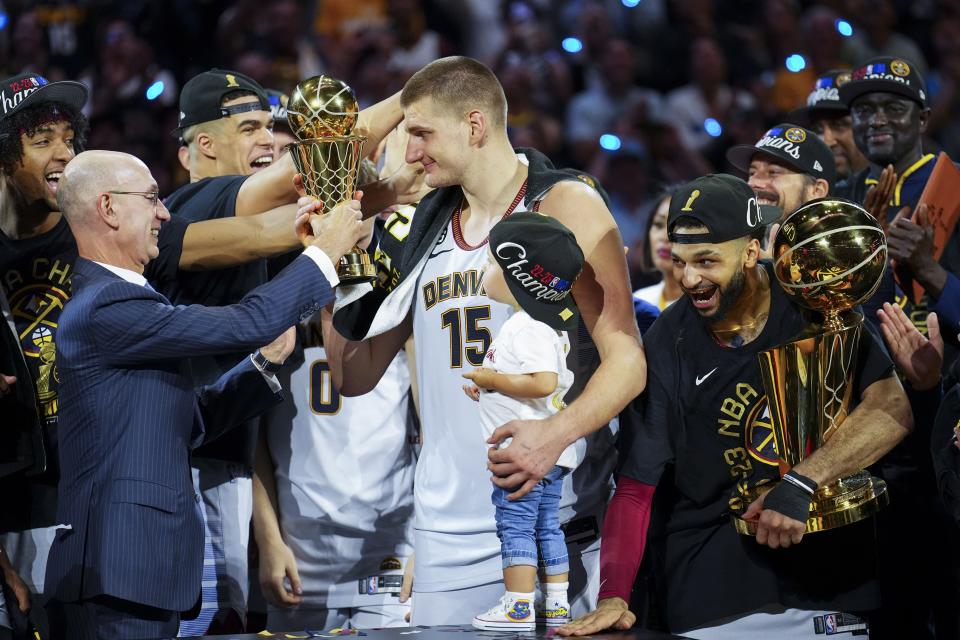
128	553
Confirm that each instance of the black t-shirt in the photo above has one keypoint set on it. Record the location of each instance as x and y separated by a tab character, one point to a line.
705	413
209	199
35	274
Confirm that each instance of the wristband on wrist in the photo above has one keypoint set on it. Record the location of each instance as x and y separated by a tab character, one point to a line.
792	496
802	482
262	363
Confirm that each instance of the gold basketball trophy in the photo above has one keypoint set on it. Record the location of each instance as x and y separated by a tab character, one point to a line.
830	256
322	112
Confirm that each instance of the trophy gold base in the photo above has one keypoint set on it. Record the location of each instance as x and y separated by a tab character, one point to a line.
845	501
355	268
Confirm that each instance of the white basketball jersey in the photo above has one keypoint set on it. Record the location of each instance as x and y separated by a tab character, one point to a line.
344	473
453	325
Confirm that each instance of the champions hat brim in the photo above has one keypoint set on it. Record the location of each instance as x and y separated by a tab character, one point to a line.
806	116
68	92
853	90
541	260
792	146
724	204
741	155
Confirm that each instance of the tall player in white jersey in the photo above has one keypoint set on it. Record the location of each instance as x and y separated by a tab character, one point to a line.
333	499
455	114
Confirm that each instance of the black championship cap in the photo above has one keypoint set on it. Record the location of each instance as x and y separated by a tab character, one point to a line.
26	89
796	147
824	100
200	98
541	260
724	204
278	108
886	74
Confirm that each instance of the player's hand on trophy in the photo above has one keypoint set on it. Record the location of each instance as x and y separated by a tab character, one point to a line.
919	358
775	529
527	459
611	613
278	569
337	232
308	208
877	200
408	183
367	238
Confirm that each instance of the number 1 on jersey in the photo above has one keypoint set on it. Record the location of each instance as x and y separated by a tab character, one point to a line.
456	320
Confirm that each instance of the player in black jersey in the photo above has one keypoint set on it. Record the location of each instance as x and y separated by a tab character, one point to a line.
704	415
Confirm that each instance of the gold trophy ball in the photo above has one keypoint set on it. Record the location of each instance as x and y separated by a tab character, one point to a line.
830	255
322	107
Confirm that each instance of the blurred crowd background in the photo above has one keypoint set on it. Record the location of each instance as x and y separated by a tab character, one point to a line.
638	92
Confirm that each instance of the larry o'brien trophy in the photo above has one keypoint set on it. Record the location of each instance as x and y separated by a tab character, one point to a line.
322	112
830	255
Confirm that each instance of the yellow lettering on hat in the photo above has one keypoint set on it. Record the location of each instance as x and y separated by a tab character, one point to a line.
232	81
693	196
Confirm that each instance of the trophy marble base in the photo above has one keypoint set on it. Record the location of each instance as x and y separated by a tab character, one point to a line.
845	501
355	268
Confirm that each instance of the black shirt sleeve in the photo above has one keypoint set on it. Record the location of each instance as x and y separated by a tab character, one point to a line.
645	427
163	269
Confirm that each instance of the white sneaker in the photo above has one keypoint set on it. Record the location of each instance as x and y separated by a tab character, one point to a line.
507	615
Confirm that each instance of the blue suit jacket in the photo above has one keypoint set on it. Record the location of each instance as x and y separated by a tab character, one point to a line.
129	416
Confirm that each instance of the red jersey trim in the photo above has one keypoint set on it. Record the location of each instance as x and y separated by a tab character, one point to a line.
458	232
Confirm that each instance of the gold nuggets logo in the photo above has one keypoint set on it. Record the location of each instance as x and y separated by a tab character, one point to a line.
390	564
828	274
745	428
842	79
900	68
36	310
795	135
760	439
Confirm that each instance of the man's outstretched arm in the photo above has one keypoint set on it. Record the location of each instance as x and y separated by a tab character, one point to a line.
621	551
220	243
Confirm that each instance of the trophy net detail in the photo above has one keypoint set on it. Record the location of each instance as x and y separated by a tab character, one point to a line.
329	167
